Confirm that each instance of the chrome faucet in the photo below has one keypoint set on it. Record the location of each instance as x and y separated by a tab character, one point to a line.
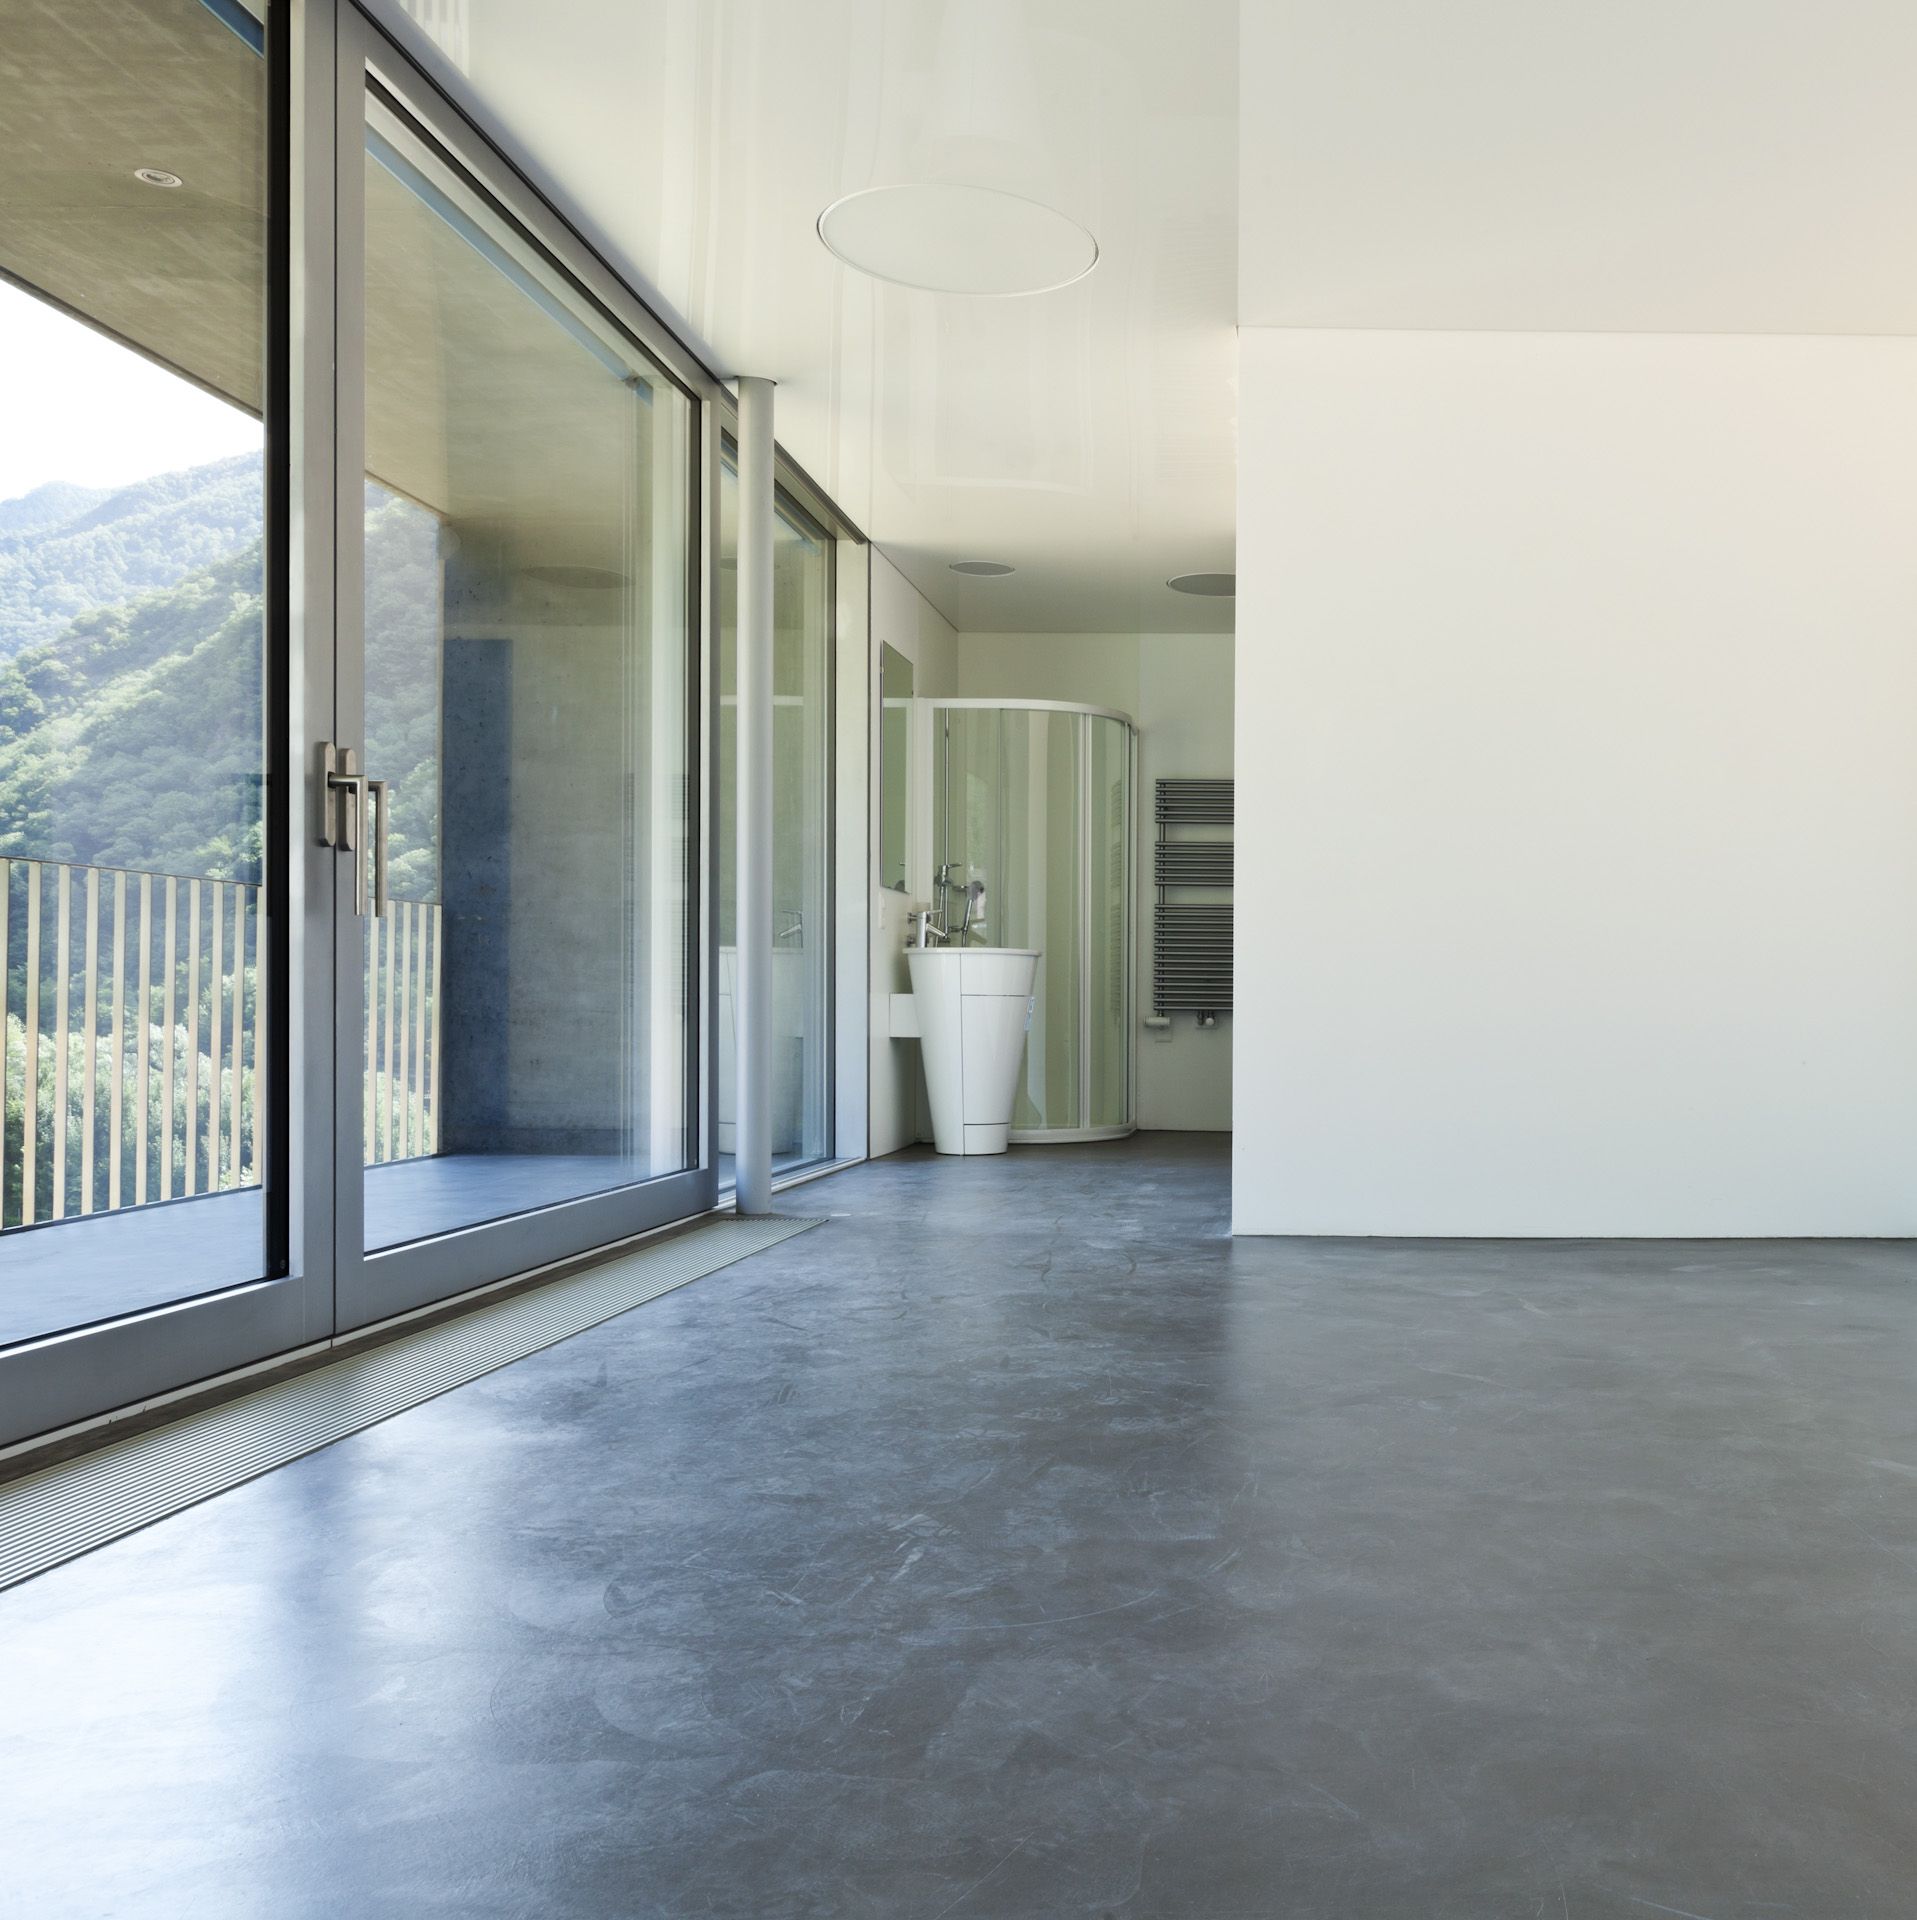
926	929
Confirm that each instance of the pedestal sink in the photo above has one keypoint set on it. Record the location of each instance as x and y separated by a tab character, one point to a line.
974	1006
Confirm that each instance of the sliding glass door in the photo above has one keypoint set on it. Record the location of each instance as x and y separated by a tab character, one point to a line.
800	1082
358	553
518	695
144	891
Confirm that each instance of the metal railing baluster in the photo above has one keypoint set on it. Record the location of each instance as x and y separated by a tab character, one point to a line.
169	1043
91	1013
419	914
30	1087
233	1156
215	1033
143	1029
116	1086
369	1142
192	1034
392	956
438	914
62	994
402	1107
6	1018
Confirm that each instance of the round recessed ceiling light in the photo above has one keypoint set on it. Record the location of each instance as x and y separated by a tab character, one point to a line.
157	177
946	238
983	569
1210	586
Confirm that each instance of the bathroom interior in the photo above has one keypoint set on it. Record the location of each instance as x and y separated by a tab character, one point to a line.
1052	921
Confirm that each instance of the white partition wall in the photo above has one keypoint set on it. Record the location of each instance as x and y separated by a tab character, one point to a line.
1577	785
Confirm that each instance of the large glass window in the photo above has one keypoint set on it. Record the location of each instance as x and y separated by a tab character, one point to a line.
133	252
527	686
801	832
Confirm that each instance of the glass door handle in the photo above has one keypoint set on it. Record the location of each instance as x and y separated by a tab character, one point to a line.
347	795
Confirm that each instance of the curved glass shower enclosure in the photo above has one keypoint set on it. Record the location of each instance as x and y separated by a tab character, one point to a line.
1034	798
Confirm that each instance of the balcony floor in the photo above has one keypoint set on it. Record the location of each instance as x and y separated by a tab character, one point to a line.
74	1272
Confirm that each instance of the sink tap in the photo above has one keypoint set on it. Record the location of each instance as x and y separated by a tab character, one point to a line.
926	929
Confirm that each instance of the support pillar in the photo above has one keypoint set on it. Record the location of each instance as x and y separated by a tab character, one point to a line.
752	1004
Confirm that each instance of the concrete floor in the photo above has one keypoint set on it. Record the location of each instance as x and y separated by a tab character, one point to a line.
1017	1545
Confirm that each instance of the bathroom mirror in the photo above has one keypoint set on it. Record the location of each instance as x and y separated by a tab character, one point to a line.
895	709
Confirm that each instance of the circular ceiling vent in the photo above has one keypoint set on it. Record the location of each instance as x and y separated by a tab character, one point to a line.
982	569
1209	586
157	177
946	238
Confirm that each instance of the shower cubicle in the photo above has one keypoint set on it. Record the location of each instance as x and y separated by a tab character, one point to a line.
1035	799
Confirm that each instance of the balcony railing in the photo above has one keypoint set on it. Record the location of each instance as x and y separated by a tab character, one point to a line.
133	1008
403	955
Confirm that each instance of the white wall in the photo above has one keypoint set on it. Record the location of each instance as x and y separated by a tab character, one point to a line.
904	619
1577	717
1178	687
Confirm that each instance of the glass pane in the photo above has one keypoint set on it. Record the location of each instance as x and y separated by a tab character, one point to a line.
527	660
895	764
1005	811
801	832
1108	937
132	642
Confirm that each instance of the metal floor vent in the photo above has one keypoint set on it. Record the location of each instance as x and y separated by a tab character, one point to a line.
68	1509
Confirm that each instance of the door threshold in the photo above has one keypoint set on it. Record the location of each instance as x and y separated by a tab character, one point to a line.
102	1429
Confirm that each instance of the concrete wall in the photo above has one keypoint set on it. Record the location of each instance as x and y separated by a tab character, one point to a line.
1577	717
1178	687
902	618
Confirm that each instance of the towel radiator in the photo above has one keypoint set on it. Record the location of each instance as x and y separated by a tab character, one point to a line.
1191	939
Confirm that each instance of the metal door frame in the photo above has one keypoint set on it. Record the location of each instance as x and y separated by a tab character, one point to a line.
376	1285
75	1375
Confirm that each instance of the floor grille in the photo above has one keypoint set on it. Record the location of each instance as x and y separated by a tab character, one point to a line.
77	1505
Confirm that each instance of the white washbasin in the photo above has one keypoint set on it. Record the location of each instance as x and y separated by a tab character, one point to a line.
974	1008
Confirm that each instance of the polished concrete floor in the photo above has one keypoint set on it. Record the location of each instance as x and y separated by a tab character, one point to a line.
1018	1545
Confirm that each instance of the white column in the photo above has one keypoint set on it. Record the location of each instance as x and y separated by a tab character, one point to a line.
753	993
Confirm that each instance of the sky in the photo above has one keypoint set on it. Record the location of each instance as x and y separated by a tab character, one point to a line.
77	406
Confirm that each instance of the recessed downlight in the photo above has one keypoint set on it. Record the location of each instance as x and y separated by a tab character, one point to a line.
157	177
943	237
1208	586
983	569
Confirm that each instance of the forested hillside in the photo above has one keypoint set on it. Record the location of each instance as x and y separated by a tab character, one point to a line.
68	551
130	725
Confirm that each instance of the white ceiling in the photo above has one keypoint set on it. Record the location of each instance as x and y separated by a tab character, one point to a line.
1084	436
1593	165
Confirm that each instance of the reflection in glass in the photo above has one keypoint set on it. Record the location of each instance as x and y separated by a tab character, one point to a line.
895	768
801	827
526	676
132	646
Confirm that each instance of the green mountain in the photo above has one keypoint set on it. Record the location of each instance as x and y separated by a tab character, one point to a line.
112	547
50	506
131	730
